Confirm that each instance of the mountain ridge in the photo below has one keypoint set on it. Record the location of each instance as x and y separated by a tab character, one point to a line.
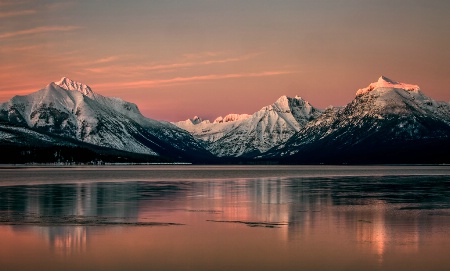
74	111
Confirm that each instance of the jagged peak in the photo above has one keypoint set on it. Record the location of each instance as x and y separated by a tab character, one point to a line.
384	79
196	120
69	84
284	103
286	98
231	117
385	82
283	98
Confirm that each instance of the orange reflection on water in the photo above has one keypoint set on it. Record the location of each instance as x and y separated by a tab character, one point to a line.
72	240
319	230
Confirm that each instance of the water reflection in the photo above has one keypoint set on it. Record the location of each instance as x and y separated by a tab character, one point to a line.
377	214
60	211
65	240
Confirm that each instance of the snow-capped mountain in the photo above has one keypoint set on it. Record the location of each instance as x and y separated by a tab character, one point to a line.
387	122
72	110
211	131
247	135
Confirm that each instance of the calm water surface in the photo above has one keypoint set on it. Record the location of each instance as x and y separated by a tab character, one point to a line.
225	218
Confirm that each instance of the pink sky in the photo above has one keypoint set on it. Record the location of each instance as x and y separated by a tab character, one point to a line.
177	59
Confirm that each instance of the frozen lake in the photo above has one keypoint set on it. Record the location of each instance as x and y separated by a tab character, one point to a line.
225	218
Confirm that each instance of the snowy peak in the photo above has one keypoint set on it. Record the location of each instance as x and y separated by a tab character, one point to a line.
280	105
384	82
285	104
231	117
68	84
196	120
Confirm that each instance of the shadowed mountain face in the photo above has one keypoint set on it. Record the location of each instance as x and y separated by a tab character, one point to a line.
70	111
388	122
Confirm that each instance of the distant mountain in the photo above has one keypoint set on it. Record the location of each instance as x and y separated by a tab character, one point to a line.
387	122
68	111
249	135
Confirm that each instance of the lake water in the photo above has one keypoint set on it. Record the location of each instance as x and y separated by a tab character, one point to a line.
225	218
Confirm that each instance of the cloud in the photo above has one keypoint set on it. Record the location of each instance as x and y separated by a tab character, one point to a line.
5	95
14	48
36	30
191	64
200	78
165	67
5	14
106	60
75	62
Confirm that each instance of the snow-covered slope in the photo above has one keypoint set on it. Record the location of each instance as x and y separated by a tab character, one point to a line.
387	117
247	135
71	109
211	131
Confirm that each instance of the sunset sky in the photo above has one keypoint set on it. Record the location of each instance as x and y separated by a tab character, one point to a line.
180	58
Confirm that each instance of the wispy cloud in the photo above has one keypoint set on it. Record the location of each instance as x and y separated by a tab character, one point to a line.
6	94
200	78
37	30
104	60
14	13
167	67
31	48
191	64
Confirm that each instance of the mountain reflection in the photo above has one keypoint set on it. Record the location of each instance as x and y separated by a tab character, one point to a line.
62	209
371	212
66	239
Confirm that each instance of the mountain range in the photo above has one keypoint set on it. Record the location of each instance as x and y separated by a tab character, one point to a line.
386	122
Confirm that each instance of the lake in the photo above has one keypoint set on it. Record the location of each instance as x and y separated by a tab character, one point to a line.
225	218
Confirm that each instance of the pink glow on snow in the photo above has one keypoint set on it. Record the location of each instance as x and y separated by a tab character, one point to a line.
231	117
384	82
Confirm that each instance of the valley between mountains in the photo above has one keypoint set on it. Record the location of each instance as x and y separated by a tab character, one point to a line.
67	122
